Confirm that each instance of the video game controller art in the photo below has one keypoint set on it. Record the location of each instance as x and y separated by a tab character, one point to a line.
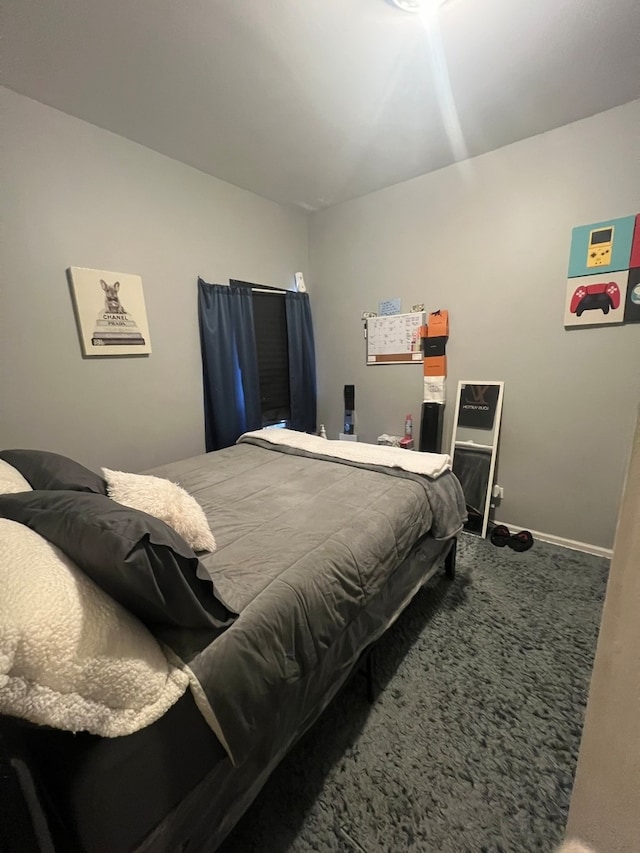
596	300
589	297
632	301
603	279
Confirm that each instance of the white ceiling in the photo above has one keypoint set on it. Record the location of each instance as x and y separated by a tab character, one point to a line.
311	102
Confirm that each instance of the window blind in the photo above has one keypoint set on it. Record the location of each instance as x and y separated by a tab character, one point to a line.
270	326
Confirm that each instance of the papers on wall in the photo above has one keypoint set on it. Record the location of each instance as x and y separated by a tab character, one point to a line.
395	339
434	389
389	306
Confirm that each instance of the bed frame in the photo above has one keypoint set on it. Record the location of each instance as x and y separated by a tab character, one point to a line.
38	825
369	653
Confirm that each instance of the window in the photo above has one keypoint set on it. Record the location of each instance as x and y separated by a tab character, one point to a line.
270	328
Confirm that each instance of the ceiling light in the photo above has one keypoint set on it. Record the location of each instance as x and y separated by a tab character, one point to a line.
407	5
424	6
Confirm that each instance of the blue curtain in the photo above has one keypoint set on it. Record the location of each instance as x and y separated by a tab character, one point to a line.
302	362
229	363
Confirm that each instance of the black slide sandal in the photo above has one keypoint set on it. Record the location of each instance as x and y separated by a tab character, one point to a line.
521	541
500	535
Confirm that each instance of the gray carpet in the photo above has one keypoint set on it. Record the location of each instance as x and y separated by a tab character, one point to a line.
472	741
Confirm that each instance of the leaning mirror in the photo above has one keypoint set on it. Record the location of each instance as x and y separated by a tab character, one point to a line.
474	446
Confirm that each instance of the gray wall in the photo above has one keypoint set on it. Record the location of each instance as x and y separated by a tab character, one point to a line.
75	195
489	240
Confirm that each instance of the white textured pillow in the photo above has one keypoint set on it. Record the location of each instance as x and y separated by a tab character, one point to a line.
70	656
164	500
11	480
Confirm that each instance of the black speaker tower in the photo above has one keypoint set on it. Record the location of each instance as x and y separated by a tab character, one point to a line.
431	428
349	408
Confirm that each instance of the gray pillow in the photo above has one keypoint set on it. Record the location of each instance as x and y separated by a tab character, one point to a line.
44	469
136	558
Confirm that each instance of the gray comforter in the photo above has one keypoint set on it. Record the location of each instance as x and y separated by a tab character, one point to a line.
304	545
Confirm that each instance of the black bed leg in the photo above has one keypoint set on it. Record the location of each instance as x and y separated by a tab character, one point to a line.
369	675
450	560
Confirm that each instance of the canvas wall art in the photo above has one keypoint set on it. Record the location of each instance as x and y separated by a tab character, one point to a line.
592	300
601	247
602	287
632	303
110	312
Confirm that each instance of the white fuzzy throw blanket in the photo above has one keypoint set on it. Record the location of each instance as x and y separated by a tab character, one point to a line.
70	656
428	464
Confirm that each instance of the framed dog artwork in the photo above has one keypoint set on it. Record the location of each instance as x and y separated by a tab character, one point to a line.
110	312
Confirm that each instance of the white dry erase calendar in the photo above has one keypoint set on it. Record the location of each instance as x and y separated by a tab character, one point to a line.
395	339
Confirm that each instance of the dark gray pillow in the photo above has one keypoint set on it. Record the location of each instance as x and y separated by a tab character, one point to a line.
136	558
46	470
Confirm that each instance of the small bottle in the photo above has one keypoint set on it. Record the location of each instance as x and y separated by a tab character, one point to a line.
323	432
408	427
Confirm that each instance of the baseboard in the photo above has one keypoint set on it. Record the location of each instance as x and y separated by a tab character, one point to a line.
596	550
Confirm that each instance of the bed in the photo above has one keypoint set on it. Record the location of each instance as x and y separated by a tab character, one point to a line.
319	549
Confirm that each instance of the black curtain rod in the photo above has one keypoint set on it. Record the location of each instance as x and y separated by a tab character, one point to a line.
254	286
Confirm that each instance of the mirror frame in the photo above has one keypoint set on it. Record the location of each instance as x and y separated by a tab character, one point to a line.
495	440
